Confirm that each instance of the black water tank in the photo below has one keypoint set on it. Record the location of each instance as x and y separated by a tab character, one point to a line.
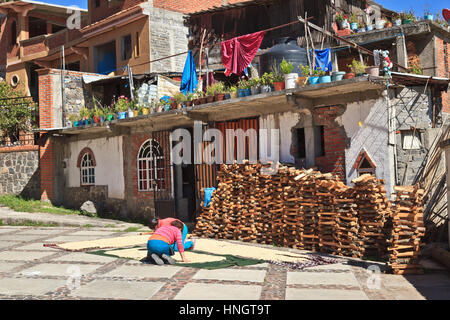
286	48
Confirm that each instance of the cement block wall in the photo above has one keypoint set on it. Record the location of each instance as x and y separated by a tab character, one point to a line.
168	36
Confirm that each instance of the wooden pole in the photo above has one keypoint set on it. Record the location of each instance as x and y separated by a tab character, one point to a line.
200	56
307	43
356	46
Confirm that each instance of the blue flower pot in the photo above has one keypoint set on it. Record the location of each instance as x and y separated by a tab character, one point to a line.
122	115
313	80
248	92
353	26
361	30
428	17
369	28
241	93
75	123
337	75
324	79
167	107
227	96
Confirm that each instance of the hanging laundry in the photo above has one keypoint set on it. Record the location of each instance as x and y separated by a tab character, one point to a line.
376	57
239	52
189	79
323	59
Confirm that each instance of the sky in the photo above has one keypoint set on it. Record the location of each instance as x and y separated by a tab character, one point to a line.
397	5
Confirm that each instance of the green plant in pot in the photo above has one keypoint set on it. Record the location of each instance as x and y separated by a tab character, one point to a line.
199	97
267	82
99	115
233	92
85	115
121	107
357	67
305	71
189	99
74	118
210	91
290	77
278	78
255	85
243	88
219	89
180	99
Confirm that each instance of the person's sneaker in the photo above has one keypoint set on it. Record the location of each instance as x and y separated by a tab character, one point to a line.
157	259
193	244
170	260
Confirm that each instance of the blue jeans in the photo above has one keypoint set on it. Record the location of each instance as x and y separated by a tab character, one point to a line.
158	246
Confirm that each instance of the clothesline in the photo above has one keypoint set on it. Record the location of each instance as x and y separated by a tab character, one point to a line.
212	45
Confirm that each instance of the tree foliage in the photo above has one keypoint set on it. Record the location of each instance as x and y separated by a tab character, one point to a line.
17	112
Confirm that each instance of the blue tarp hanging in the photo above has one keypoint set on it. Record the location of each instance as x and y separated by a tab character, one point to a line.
323	59
189	79
208	195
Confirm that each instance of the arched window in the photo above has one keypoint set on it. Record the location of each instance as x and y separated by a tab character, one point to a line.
150	167
86	163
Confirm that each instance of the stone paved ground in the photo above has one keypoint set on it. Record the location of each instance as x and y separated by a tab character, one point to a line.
28	270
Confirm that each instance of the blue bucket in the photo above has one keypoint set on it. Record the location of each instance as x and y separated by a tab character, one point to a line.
354	26
337	75
324	79
248	92
428	17
122	115
241	93
313	80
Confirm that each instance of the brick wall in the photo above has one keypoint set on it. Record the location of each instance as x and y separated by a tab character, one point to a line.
443	69
46	121
334	141
190	6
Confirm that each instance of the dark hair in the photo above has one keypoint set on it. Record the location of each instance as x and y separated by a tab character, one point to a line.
178	224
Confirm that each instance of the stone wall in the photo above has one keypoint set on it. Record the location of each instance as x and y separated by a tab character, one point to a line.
413	108
76	94
20	173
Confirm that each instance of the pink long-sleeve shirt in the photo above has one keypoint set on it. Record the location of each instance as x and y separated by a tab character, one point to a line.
172	234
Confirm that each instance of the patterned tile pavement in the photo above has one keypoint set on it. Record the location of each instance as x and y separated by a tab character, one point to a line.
28	270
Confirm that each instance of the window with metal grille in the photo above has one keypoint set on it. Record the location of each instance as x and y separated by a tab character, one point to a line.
150	165
87	170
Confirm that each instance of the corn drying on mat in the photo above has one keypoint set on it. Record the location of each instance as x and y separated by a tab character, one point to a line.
117	242
197	259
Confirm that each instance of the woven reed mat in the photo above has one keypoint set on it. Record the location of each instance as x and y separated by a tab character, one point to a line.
117	242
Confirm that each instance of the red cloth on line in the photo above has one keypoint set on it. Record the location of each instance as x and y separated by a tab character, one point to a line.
239	52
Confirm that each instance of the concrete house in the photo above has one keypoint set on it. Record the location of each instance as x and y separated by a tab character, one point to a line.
350	127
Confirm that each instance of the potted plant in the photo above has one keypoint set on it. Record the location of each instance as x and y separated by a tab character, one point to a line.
121	107
98	115
357	68
416	69
314	78
110	114
242	88
74	118
379	24
210	91
254	84
180	99
341	21
267	82
189	99
303	80
397	20
361	27
409	17
337	75
323	77
353	22
289	76
388	23
427	15
373	70
133	109
219	89
84	115
233	92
